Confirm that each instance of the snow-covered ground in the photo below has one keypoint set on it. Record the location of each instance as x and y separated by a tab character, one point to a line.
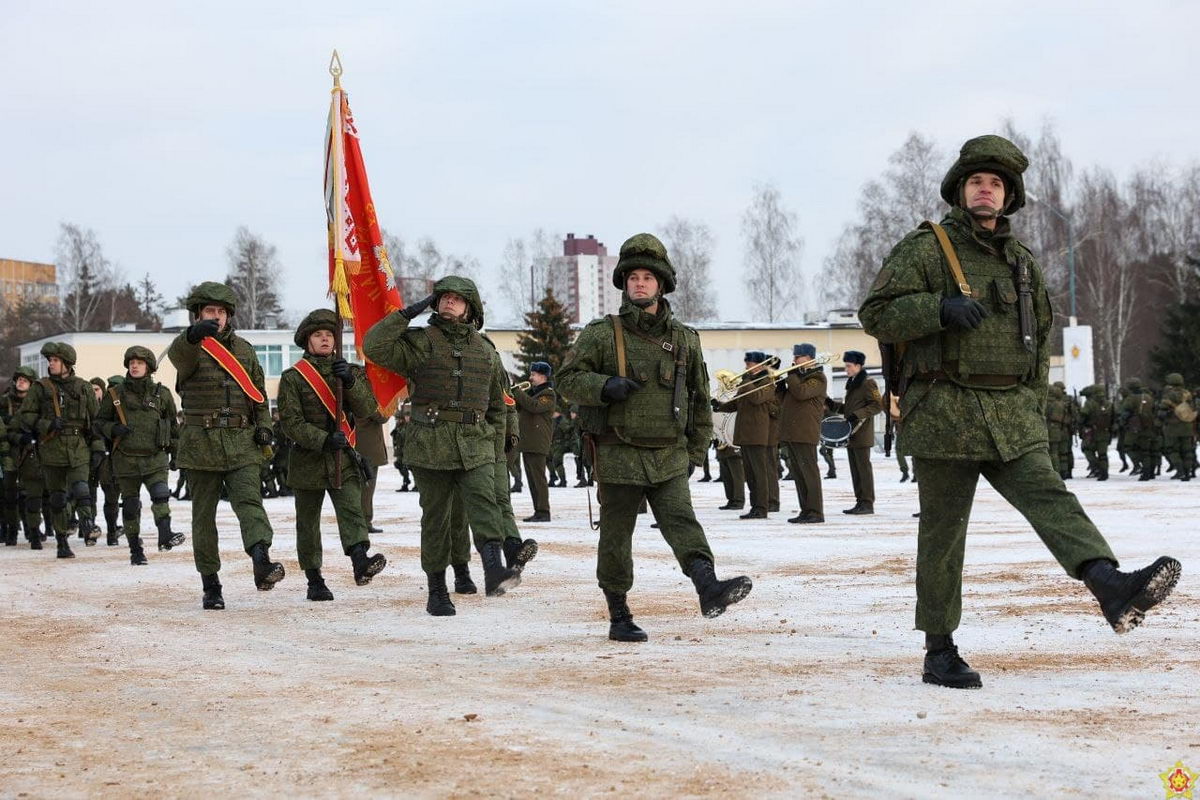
117	684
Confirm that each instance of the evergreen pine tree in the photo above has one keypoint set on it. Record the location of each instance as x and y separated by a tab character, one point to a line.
548	335
1178	348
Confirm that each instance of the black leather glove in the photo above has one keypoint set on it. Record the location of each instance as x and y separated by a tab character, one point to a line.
57	424
343	372
97	457
26	439
962	311
201	329
335	441
851	418
263	437
510	443
716	404
411	312
120	430
617	389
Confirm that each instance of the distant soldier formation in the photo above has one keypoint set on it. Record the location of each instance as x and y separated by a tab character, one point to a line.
959	308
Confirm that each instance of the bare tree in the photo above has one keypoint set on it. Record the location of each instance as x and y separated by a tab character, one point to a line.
254	272
83	273
690	247
525	269
772	255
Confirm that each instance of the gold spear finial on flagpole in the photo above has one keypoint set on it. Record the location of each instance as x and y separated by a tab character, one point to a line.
335	69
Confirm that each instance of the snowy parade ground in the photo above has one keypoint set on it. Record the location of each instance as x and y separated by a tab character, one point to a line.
118	685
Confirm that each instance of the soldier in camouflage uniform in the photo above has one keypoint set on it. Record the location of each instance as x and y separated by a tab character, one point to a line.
138	417
457	406
403	417
1177	413
102	477
226	426
648	412
23	482
309	423
1139	423
975	400
1058	431
1095	430
60	410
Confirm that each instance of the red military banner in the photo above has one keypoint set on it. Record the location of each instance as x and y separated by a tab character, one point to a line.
360	273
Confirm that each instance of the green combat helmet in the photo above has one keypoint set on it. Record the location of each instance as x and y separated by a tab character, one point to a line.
62	350
1174	379
142	354
644	251
988	154
321	319
27	373
1134	385
211	293
464	288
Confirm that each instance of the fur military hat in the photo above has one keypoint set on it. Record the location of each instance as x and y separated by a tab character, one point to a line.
321	319
27	373
854	357
805	349
644	251
989	153
62	350
464	288
541	367
1174	379
211	293
141	354
755	356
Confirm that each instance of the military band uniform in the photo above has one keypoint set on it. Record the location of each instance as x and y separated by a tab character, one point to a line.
860	405
776	429
732	476
752	436
803	408
535	409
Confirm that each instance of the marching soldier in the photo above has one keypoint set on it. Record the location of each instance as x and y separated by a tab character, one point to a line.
535	409
60	410
307	411
860	405
1095	430
642	387
226	425
101	476
137	415
457	405
1178	416
752	430
1129	419
583	463
732	477
402	420
803	406
1058	432
975	401
23	482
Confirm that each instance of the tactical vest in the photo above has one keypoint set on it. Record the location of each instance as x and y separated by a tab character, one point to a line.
143	413
1056	411
210	391
648	417
1099	416
73	394
455	379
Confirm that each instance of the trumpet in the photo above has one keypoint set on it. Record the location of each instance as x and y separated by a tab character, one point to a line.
521	387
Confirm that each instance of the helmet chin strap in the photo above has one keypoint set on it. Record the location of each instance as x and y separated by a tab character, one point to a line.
643	302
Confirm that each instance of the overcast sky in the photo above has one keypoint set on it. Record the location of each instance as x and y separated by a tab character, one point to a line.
163	126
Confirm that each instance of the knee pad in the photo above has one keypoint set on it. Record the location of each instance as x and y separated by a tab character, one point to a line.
159	492
131	507
80	492
58	501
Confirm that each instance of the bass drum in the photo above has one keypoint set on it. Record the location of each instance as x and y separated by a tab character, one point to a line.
835	431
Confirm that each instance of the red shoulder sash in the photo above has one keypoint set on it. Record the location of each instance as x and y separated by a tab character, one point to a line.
230	364
325	395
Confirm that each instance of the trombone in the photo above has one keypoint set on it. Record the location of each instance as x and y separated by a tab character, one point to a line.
730	381
520	387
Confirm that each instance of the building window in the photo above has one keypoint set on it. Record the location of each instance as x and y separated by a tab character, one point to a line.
270	357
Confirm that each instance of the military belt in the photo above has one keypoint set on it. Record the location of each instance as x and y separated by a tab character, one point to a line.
217	420
432	414
980	380
71	430
639	441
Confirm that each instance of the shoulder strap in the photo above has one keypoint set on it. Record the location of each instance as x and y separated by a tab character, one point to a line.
48	385
619	338
951	256
116	398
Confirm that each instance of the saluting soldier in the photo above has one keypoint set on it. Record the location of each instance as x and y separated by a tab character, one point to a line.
1095	430
640	381
975	402
1178	417
23	482
457	405
137	415
803	407
535	409
60	410
307	410
860	405
226	426
753	403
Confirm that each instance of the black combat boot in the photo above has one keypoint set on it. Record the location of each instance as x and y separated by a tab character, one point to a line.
166	538
732	506
462	579
945	667
64	546
754	514
89	530
831	475
903	476
715	595
10	535
1147	473
439	604
114	537
621	627
267	573
213	601
111	527
538	516
518	553
1125	597
137	556
34	534
860	508
582	484
365	566
317	590
497	578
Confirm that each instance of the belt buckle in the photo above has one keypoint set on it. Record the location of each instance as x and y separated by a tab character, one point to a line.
432	413
223	422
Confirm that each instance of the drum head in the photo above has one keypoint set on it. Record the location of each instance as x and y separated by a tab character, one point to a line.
835	431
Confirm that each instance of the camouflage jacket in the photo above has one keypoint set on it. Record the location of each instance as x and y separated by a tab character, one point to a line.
73	445
624	454
941	418
149	409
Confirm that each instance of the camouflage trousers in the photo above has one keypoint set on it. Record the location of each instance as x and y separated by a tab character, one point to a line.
23	489
671	502
947	491
460	527
1095	450
1180	452
68	487
347	507
1061	457
243	487
131	500
437	489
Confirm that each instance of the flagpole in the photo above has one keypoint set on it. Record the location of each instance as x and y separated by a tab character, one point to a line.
335	69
